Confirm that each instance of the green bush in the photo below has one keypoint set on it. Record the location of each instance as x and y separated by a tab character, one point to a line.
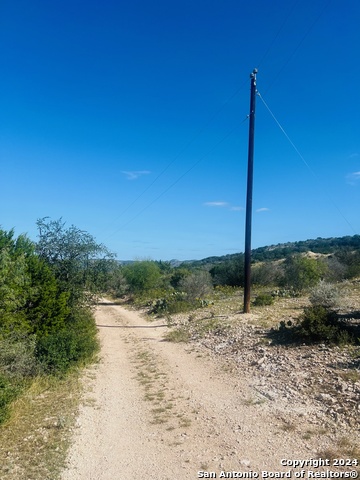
142	276
47	307
230	272
175	302
224	291
60	350
263	300
177	276
30	298
8	393
319	324
285	293
302	273
42	328
266	274
350	259
170	303
17	356
197	285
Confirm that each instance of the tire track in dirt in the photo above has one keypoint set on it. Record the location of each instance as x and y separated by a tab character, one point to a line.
164	411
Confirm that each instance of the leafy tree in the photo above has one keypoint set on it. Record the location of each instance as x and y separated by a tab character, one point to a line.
15	281
30	298
302	272
197	285
142	276
178	275
110	278
230	272
350	259
165	267
73	255
266	274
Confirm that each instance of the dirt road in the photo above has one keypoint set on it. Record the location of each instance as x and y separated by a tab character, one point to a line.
159	410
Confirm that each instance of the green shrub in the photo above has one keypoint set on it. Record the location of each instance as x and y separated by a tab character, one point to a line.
17	356
197	285
263	299
60	350
142	276
8	393
302	273
230	272
57	351
319	324
46	308
285	293
224	291
266	274
150	296
351	261
177	275
173	302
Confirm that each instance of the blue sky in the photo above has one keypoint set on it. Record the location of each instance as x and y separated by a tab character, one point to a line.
128	120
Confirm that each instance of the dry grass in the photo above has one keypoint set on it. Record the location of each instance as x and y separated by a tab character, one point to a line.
177	336
154	382
251	401
344	449
288	427
33	443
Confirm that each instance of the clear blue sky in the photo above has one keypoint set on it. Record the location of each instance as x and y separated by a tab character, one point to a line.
128	120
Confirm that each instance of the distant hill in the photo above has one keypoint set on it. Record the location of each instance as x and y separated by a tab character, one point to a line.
276	252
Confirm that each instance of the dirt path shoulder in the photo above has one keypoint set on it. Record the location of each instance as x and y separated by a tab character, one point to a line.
159	410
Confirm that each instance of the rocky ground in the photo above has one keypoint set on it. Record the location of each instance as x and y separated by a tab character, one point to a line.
318	380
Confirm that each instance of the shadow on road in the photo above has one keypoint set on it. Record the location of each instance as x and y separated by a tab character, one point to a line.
108	304
130	326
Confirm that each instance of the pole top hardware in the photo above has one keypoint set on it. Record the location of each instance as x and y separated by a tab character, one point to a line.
254	72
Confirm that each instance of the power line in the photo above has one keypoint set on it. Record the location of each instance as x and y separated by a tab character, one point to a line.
211	118
277	33
179	178
183	149
303	160
299	44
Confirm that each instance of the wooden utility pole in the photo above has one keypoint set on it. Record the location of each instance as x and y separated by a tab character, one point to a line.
249	194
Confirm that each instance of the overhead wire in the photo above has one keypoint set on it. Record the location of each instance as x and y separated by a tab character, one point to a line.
201	130
180	177
325	7
299	45
178	155
277	34
303	159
